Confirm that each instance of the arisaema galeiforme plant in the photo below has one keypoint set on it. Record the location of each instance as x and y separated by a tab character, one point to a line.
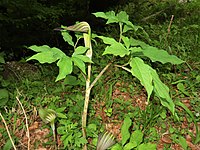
49	116
125	47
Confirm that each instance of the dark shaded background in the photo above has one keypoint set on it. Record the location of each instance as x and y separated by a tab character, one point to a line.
31	22
28	22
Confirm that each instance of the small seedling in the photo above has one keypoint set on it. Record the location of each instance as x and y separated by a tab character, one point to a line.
132	140
108	112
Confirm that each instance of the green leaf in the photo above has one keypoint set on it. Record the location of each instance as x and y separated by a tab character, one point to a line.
116	49
44	57
92	127
61	109
8	145
65	67
80	141
163	114
179	81
126	41
197	139
67	38
79	63
122	16
135	42
137	137
130	26
198	78
117	147
155	54
61	115
107	40
125	130
162	91
39	48
4	95
181	88
129	146
57	52
80	50
2	60
182	142
78	36
135	50
162	56
84	58
68	140
93	38
61	130
126	28
141	71
100	15
46	54
146	146
111	17
71	80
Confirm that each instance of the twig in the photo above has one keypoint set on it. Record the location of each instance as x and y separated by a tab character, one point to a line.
8	131
125	64
28	134
153	15
170	24
76	43
84	76
157	13
99	75
188	66
169	27
123	68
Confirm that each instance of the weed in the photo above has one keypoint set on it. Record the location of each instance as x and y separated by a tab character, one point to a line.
132	140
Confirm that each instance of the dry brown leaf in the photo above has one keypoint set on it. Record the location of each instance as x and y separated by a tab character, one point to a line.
34	126
166	139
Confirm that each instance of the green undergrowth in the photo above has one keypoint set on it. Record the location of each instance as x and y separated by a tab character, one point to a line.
152	121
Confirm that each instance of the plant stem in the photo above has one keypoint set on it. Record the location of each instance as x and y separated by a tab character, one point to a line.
87	41
8	131
168	30
100	74
87	97
120	34
188	66
123	68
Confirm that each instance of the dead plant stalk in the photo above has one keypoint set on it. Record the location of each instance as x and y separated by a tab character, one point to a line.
28	134
8	131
